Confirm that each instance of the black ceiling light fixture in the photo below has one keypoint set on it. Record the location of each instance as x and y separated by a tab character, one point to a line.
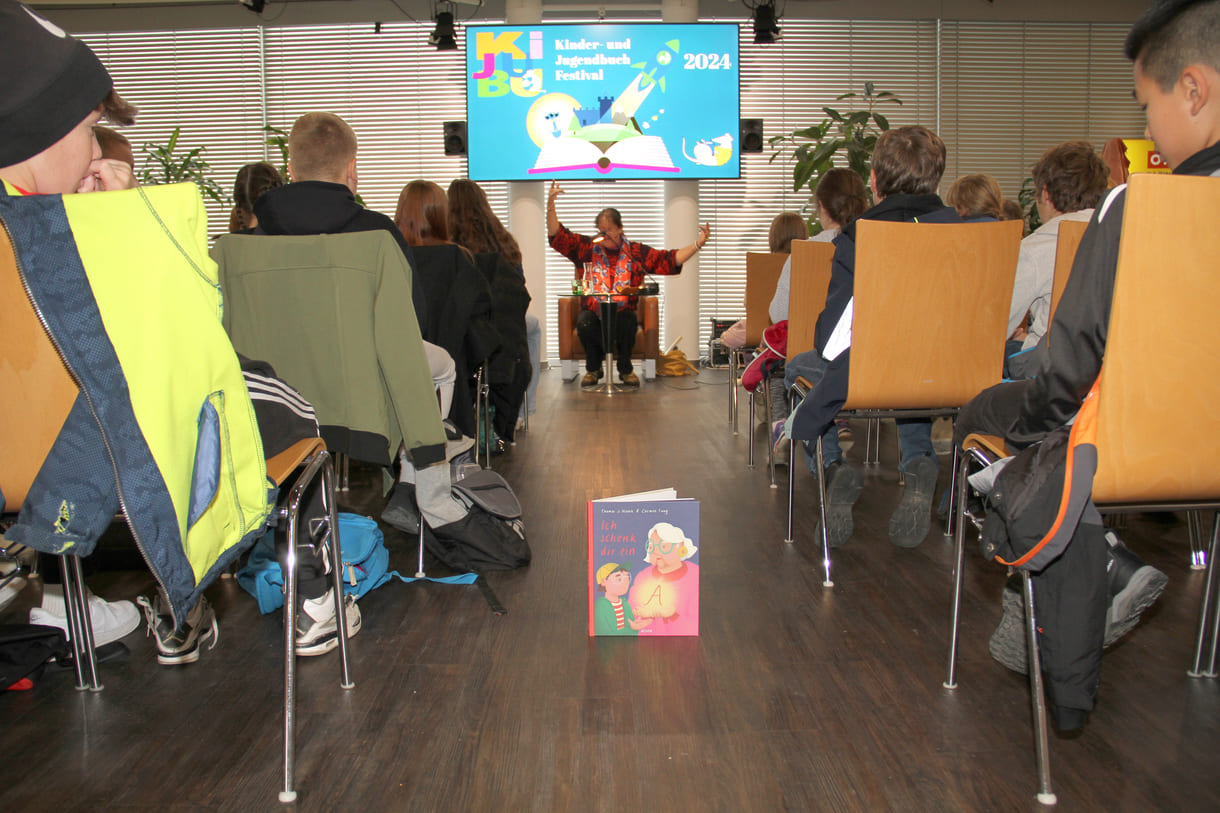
443	37
766	22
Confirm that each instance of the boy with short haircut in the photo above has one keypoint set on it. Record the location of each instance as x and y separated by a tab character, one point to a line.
1175	48
907	166
1069	180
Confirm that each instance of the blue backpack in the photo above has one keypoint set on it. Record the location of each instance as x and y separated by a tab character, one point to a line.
365	563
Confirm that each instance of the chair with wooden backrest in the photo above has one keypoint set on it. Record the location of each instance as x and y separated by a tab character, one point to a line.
39	395
762	275
810	279
1070	234
931	307
1162	352
647	336
42	393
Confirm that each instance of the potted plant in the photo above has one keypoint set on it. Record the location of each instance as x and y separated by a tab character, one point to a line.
847	137
162	164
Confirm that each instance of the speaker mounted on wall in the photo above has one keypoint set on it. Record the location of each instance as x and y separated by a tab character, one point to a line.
751	135
455	138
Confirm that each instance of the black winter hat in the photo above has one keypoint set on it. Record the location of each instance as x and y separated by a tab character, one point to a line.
49	82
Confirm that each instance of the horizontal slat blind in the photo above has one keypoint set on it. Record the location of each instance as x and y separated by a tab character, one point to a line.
1013	90
205	82
787	84
1007	92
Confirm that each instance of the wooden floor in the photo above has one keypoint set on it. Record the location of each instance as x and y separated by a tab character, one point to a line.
795	697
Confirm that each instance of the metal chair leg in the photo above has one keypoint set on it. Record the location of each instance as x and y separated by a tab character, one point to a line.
1196	534
826	581
1046	794
80	625
954	476
320	464
959	547
793	457
733	390
1209	612
766	385
750	461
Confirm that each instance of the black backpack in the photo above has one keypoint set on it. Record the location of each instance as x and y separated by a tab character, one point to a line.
492	534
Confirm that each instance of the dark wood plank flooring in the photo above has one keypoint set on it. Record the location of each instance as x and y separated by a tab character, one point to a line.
794	697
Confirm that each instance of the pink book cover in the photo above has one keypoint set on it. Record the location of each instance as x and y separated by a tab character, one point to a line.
644	566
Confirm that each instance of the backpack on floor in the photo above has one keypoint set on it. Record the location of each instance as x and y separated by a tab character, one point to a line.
365	563
492	534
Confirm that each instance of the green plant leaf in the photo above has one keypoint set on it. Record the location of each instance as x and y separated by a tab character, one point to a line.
868	88
849	95
859	117
882	121
834	114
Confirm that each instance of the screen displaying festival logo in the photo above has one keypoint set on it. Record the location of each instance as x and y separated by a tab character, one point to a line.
602	101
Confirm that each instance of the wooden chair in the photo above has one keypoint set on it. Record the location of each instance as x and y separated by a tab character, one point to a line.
762	275
807	285
1162	352
29	425
647	336
1070	234
811	265
931	307
40	393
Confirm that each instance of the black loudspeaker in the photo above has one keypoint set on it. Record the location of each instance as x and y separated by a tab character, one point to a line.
455	138
751	135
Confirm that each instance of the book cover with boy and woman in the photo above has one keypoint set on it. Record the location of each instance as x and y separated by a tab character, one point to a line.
644	565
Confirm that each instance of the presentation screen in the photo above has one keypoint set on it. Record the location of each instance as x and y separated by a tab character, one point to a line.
602	101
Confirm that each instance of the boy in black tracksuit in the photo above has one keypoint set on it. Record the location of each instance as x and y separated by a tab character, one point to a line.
1176	50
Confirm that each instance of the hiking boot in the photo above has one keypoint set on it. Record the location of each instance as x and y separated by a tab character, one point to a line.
317	630
111	620
179	646
591	378
401	511
630	379
1134	586
843	487
781	447
910	521
1007	644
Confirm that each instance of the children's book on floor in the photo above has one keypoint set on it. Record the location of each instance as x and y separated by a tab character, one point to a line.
644	565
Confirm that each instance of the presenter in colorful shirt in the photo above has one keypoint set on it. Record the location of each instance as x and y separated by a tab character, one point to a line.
617	264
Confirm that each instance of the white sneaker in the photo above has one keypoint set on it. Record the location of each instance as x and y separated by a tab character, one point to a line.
112	620
317	632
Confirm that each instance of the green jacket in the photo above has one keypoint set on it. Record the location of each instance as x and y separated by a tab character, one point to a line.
333	314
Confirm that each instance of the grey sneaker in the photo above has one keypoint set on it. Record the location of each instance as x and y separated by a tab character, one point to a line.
1134	586
843	487
179	646
317	631
910	521
1007	644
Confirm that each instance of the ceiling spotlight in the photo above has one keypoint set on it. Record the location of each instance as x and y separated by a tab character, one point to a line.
256	6
766	29
444	37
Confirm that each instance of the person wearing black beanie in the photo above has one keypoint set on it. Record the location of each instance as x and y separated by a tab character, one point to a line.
53	89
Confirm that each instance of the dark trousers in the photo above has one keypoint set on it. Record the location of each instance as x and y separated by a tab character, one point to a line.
1071	592
589	329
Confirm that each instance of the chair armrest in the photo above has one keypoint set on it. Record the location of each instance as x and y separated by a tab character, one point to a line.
991	445
287	461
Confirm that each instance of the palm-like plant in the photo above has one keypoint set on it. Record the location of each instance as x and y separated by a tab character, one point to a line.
162	164
844	136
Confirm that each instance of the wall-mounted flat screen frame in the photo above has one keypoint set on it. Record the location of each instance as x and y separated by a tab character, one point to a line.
602	101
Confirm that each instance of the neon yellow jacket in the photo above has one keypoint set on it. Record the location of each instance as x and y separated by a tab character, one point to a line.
163	426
